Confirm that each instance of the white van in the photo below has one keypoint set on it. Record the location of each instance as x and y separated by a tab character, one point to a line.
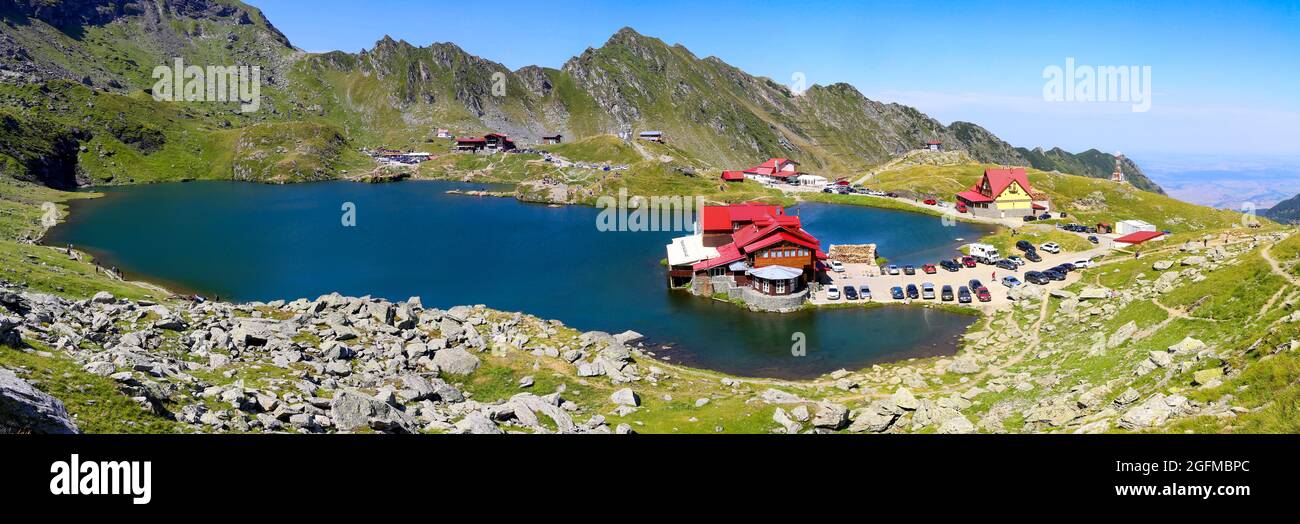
985	253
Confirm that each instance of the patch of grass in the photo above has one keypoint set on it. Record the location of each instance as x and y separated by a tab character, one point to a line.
94	401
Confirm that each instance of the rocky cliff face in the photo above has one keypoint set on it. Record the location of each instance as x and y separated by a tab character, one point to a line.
115	44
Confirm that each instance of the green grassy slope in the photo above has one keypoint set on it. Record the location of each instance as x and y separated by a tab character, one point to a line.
1089	200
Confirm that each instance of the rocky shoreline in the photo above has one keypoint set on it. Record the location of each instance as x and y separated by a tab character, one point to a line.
344	364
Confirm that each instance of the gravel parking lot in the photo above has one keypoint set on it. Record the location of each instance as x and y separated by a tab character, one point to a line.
863	274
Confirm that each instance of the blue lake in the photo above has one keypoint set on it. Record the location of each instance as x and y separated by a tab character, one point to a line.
246	242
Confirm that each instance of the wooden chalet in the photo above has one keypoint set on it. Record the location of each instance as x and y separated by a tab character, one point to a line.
752	245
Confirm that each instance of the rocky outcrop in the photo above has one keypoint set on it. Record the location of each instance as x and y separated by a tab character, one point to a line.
342	364
25	409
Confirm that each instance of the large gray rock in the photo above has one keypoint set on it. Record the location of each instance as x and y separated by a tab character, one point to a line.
455	361
626	397
352	411
477	423
25	409
964	366
831	416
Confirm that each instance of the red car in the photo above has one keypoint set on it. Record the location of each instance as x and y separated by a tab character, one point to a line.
983	295
961	208
931	202
968	261
929	269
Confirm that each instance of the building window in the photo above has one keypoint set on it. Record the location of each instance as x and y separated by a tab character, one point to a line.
780	287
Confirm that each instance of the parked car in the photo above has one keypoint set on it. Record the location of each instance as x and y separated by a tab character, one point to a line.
828	189
850	293
931	202
1045	216
983	295
1083	264
1036	277
961	207
1052	247
832	293
896	293
975	284
945	294
864	292
893	270
963	295
927	291
1033	256
1093	239
968	261
950	265
1065	267
1024	245
1010	281
1053	274
837	266
891	194
1030	218
1015	259
929	269
1007	265
909	270
912	292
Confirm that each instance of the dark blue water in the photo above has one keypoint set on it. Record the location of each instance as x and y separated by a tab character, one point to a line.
262	242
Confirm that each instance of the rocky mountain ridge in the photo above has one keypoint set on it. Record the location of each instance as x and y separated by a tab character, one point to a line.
395	94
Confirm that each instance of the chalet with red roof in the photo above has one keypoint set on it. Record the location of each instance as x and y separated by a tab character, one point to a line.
490	142
754	252
733	176
934	145
1003	193
774	170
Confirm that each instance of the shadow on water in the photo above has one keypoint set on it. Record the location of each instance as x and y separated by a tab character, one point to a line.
259	242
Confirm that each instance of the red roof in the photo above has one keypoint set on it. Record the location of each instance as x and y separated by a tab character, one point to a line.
777	238
934	142
1139	237
973	196
471	139
756	226
1040	207
726	255
997	181
733	175
724	218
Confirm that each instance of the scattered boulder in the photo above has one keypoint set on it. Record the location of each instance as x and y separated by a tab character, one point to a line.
455	361
351	411
626	397
831	416
25	409
964	366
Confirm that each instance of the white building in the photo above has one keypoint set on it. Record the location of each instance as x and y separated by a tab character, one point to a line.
812	180
1127	227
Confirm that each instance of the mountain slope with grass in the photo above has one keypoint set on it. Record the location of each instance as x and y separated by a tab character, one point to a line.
396	94
1087	200
1286	211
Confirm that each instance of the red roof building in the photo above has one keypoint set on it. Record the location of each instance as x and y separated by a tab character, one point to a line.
1139	237
733	176
754	236
490	141
774	168
1001	193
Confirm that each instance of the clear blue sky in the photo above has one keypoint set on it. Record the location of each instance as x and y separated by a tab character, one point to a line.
1225	76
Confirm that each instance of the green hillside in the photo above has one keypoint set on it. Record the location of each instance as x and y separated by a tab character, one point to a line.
1088	200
